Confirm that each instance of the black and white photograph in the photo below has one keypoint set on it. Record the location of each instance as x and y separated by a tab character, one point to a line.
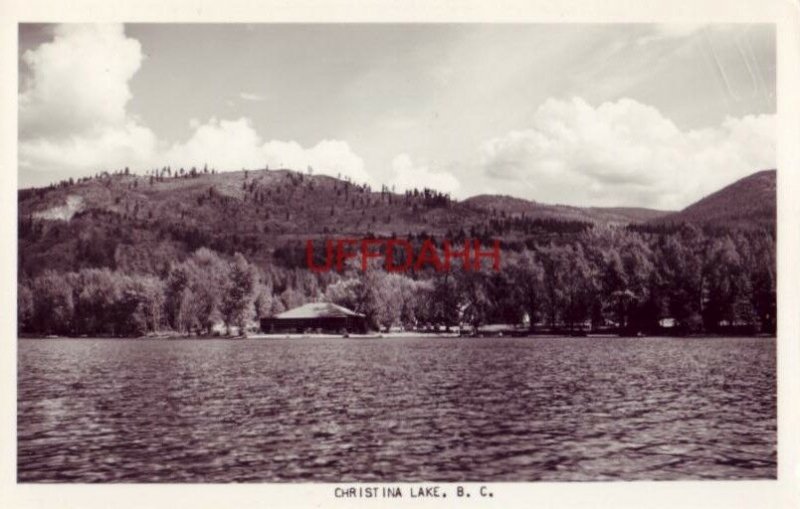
396	259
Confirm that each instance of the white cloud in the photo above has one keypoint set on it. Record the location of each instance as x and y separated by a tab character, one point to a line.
74	118
72	108
408	175
79	81
624	153
227	145
328	157
230	145
247	96
109	148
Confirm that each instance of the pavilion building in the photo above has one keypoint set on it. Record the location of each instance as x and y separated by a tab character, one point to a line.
323	317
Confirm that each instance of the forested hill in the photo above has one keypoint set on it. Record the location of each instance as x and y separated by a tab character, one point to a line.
603	215
121	254
748	202
141	223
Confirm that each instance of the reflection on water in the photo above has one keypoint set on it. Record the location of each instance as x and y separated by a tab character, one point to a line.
500	409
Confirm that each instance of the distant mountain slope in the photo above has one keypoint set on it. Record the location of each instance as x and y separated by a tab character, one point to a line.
280	203
141	224
748	202
535	210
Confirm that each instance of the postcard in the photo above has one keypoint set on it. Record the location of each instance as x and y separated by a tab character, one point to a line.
277	260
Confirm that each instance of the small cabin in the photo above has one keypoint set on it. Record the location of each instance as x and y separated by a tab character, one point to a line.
316	317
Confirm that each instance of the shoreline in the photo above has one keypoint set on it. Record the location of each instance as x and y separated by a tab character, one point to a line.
393	335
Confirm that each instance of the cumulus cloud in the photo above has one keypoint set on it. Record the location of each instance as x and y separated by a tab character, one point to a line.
408	175
74	118
107	148
235	144
72	107
625	153
79	81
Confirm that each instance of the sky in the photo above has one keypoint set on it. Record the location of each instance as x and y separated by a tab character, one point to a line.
591	115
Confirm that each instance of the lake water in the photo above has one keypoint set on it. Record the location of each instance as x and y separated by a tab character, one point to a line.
411	409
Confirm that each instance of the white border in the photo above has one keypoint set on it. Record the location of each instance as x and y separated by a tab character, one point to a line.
785	492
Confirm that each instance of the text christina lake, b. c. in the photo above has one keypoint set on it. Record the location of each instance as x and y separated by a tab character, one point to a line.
412	491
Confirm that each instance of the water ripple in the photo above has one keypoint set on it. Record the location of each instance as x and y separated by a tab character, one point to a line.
503	409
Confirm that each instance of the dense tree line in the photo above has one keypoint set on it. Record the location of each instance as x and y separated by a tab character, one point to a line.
605	278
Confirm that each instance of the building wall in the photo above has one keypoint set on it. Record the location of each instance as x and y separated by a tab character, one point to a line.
334	325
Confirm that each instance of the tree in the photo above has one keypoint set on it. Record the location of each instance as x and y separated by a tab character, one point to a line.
390	298
263	301
177	287
25	310
568	283
344	292
413	295
680	277
528	291
554	283
96	292
128	318
728	287
205	275
292	298
474	302
237	303
761	269
186	318
150	290
53	305
444	301
580	289
386	295
626	272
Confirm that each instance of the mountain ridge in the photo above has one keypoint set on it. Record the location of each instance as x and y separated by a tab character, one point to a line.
733	202
747	202
140	222
512	204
